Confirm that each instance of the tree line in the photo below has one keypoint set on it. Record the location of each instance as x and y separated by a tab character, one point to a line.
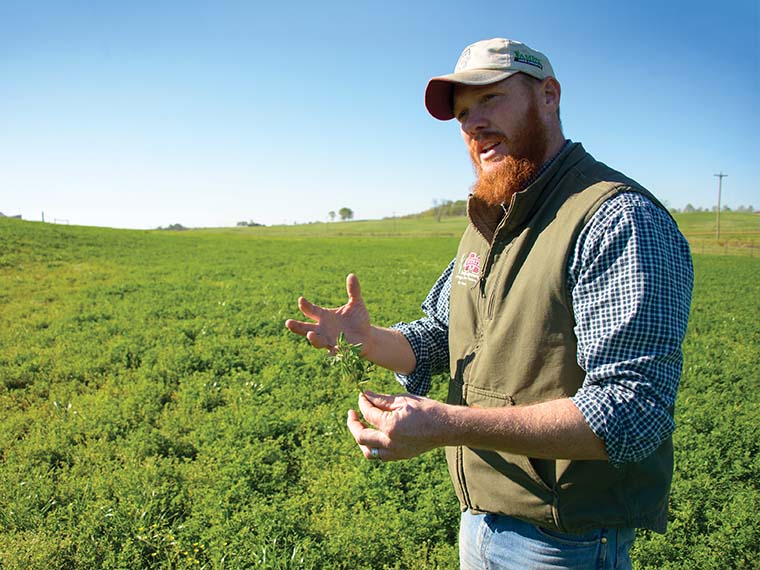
689	209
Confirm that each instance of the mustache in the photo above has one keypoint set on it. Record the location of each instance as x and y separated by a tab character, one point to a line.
475	142
487	134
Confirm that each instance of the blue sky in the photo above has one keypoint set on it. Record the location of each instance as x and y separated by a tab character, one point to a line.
143	114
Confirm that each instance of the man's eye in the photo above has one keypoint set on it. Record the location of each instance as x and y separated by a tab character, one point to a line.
461	116
487	97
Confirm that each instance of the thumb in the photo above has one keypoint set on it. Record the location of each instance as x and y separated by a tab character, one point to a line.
353	289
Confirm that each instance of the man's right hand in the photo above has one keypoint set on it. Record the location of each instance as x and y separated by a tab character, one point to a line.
352	319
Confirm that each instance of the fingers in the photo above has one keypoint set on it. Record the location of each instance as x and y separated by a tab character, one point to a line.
309	309
367	438
327	322
355	425
353	289
299	327
374	410
385	402
317	340
309	330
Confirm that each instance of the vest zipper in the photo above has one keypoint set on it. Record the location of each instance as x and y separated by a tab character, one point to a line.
555	510
460	475
490	306
460	459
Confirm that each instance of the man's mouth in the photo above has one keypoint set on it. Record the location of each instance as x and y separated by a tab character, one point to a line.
489	150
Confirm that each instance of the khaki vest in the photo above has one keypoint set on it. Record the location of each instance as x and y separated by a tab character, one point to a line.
512	343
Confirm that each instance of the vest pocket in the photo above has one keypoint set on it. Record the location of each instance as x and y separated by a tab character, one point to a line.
502	461
483	398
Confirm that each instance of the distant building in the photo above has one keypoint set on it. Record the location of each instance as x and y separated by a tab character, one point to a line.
18	217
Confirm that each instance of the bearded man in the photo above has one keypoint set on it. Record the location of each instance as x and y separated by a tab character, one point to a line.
560	322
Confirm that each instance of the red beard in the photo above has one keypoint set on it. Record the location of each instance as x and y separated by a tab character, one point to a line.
528	148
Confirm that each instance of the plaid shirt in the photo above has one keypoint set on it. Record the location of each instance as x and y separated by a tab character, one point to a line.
631	279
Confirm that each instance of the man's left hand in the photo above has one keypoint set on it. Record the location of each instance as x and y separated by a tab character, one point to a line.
405	425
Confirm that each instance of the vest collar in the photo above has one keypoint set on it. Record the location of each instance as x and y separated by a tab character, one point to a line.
488	220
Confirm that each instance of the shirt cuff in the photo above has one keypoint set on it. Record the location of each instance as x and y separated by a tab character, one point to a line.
596	414
630	430
419	380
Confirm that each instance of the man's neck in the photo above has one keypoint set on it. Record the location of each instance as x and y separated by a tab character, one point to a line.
556	146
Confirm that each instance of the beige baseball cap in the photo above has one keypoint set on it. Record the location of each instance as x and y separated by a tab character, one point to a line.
483	63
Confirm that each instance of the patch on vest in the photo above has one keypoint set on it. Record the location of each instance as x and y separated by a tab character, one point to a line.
469	269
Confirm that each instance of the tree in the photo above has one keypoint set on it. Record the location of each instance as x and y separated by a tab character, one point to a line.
346	213
441	208
331	215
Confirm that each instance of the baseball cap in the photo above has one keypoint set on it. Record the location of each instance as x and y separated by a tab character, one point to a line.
483	63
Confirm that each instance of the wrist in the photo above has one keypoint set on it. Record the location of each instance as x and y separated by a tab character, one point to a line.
389	349
369	344
450	422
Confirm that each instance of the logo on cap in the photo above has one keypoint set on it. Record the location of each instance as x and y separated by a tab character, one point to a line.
464	59
528	59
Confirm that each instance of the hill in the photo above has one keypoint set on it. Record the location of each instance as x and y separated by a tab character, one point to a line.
740	231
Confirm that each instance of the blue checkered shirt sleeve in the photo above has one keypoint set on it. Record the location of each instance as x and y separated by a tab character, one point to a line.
429	337
631	279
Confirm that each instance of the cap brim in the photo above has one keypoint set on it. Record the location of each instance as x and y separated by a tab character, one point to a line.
439	94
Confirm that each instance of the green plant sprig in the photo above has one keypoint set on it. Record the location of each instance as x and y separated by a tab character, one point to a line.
347	359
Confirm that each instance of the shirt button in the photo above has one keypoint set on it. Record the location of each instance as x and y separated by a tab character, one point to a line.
604	540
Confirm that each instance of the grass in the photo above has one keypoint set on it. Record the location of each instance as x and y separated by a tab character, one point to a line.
154	413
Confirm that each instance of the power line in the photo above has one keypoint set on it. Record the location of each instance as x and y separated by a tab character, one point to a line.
720	176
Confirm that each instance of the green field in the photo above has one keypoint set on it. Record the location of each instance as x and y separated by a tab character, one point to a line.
739	235
154	412
739	232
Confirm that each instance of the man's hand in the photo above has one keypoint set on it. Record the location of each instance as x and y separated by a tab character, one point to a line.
352	319
385	347
405	425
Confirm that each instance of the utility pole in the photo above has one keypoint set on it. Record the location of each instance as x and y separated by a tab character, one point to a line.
720	176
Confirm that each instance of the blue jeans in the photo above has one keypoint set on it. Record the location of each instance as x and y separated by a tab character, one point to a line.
491	542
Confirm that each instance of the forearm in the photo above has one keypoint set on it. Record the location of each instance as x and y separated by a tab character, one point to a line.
550	430
390	349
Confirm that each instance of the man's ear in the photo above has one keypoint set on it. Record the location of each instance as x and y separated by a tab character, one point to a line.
550	93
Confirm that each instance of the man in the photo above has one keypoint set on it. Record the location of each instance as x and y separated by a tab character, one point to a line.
560	320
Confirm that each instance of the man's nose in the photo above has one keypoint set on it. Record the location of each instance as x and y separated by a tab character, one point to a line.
474	122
